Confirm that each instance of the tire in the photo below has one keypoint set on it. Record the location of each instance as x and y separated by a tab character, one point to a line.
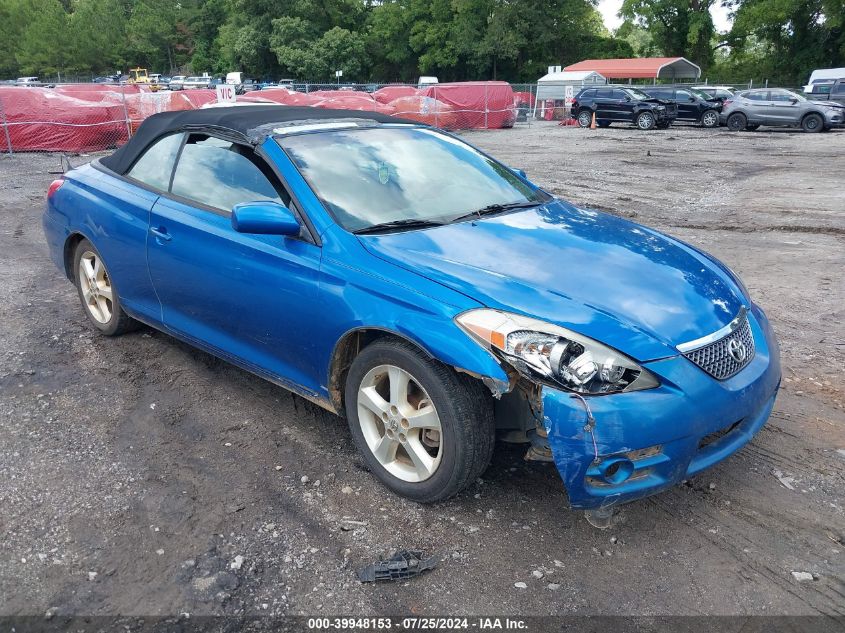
603	123
645	120
736	122
463	446
710	119
97	293
751	127
812	123
585	118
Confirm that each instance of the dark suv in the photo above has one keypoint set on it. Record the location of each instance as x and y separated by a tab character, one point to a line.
622	103
693	105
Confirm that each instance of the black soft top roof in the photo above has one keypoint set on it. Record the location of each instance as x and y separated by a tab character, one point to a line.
251	124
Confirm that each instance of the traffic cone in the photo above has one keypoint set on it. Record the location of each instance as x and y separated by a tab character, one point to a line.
593	122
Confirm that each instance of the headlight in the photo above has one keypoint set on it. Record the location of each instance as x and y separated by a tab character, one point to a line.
555	355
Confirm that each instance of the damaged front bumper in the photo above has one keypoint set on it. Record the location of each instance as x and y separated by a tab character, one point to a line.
642	442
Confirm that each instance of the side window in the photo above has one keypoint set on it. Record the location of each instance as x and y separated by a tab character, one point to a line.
755	96
619	95
221	174
780	97
603	94
839	88
588	94
156	164
683	95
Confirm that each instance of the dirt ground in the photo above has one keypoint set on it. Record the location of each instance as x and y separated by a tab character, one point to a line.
133	471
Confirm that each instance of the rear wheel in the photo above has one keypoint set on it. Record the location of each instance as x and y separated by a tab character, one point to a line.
710	119
585	118
812	123
645	120
425	431
736	122
97	292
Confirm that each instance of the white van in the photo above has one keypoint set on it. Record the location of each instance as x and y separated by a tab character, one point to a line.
824	74
427	81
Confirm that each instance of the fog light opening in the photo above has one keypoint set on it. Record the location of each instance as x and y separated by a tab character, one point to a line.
617	470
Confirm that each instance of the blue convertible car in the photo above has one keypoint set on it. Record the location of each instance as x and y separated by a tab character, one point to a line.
436	298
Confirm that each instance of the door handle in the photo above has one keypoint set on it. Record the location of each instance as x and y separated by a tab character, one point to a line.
161	234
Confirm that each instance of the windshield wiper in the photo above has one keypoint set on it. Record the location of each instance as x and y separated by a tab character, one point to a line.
406	223
494	209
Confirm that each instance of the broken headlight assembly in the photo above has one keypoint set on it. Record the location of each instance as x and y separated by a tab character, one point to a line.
554	355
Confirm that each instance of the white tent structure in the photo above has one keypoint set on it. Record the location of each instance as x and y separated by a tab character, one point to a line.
555	86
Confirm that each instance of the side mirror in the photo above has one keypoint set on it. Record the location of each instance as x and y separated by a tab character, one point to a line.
793	100
692	99
264	218
520	173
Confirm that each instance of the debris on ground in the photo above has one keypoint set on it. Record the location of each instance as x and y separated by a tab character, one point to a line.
520	585
786	482
802	576
401	566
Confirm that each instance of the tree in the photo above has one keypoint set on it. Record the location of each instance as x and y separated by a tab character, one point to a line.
98	35
785	40
678	28
42	45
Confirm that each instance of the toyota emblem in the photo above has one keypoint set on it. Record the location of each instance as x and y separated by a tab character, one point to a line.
737	350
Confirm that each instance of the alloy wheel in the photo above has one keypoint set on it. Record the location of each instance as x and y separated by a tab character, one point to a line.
584	119
645	121
400	424
96	287
710	119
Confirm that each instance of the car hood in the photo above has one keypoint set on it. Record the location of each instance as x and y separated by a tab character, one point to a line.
615	281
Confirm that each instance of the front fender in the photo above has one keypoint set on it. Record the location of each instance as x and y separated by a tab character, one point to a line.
361	291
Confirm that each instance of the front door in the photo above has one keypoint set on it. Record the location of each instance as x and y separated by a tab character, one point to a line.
251	297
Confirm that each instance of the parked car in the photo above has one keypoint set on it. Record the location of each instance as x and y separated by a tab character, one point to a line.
832	90
622	103
692	105
106	79
197	82
778	107
394	274
719	93
177	82
820	75
27	81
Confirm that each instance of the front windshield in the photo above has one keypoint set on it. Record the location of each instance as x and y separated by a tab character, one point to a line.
372	176
637	94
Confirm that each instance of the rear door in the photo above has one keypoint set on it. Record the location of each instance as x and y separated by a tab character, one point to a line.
757	110
251	297
605	107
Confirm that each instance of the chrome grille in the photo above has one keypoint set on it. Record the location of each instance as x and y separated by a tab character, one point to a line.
716	358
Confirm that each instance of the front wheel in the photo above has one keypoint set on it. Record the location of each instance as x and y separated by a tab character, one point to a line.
710	119
425	431
812	123
645	120
97	292
736	122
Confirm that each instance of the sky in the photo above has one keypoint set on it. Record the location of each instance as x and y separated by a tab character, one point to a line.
609	9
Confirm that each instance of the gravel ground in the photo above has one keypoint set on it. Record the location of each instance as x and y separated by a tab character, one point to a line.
136	472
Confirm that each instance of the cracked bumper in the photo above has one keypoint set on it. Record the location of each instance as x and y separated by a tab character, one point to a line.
660	436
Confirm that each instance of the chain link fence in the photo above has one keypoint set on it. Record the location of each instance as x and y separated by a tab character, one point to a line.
88	117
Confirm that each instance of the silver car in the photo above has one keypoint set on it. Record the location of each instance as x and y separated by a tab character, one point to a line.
750	109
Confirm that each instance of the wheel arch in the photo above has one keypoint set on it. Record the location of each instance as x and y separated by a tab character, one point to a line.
478	364
348	346
71	242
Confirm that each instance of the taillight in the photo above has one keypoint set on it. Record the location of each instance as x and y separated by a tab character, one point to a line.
54	187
